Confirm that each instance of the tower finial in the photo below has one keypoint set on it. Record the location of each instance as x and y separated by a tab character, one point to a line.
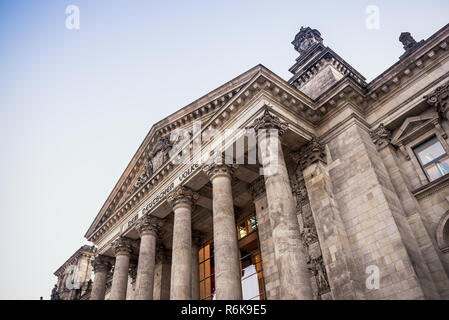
306	38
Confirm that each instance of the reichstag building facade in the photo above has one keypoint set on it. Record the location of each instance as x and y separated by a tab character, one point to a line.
328	187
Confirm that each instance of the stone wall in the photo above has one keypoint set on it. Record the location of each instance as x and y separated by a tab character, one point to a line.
377	229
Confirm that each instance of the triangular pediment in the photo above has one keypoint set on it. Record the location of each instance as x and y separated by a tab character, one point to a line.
213	110
413	126
152	153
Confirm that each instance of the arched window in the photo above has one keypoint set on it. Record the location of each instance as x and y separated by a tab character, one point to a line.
442	233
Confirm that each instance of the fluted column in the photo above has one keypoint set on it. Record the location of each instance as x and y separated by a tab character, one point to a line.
196	242
123	250
181	272
102	265
289	252
227	265
148	228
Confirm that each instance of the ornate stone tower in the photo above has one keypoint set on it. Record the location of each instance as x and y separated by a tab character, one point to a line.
318	67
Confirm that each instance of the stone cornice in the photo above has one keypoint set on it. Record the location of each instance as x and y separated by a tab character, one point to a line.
432	187
86	250
404	70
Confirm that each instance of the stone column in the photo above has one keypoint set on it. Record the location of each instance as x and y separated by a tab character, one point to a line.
196	242
226	256
102	265
148	228
123	250
181	272
289	252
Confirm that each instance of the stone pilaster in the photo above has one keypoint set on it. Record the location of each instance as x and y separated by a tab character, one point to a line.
148	227
123	249
227	264
289	252
196	243
433	276
102	265
182	200
337	260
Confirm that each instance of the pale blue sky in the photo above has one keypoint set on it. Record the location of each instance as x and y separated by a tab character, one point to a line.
76	104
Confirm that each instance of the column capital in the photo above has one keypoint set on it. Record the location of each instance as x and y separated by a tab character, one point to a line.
310	153
102	263
269	122
182	196
123	246
440	99
381	137
257	187
214	170
149	225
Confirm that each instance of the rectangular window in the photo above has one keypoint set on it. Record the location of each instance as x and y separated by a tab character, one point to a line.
247	227
251	267
207	272
433	158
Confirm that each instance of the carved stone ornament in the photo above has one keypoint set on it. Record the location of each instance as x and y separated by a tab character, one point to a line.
312	152
149	225
102	263
299	189
439	99
269	122
154	161
381	136
308	235
316	266
123	246
409	43
182	196
214	170
306	39
55	293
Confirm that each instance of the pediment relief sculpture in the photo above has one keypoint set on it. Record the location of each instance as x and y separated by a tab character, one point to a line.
154	161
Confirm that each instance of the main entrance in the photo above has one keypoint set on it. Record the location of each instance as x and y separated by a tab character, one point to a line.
251	268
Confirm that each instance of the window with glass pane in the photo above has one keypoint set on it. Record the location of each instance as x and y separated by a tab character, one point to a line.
246	227
433	158
207	275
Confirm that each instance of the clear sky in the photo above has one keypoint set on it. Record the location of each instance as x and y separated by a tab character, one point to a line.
76	104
